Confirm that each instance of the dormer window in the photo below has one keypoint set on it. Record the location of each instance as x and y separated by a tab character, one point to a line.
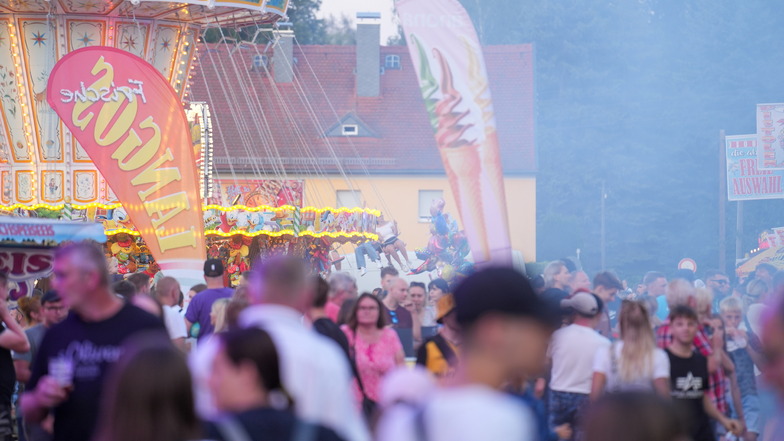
350	129
392	62
260	62
350	125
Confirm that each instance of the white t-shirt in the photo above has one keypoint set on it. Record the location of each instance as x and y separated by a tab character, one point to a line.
660	368
466	413
386	231
313	369
572	351
175	324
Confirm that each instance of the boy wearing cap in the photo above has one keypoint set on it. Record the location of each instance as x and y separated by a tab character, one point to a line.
440	354
496	310
572	352
201	304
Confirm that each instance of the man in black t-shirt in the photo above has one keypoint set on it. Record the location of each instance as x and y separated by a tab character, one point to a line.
12	338
321	323
689	377
75	355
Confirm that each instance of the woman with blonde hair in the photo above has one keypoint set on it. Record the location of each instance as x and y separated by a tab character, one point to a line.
634	363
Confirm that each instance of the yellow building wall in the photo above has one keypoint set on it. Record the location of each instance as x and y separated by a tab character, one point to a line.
398	198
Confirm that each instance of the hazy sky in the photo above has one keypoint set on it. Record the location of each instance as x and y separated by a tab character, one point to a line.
351	7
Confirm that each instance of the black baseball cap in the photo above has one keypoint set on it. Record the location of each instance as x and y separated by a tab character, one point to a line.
502	291
50	297
213	268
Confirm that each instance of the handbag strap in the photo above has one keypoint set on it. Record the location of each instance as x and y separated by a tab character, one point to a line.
613	366
446	350
354	362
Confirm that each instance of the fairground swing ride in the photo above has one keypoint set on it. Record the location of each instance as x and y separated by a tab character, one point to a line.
45	172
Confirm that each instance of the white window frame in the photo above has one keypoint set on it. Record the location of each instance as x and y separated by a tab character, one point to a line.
392	61
425	201
260	61
348	198
351	132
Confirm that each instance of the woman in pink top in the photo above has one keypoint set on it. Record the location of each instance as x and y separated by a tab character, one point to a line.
375	347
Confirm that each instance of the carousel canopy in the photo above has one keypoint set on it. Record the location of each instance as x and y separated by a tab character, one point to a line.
40	160
201	12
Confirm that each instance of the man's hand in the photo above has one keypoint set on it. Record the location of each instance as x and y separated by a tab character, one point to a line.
734	426
731	332
49	393
539	388
564	431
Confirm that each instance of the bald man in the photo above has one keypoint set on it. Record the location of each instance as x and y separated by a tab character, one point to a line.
399	317
167	291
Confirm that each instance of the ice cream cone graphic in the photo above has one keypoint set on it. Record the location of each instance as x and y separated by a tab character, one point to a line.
494	208
463	171
492	168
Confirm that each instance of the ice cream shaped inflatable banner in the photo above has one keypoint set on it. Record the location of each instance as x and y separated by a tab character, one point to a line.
130	122
448	61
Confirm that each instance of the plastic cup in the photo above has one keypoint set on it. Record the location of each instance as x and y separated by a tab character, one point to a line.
62	370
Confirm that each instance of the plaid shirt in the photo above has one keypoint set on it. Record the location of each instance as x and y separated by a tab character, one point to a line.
717	389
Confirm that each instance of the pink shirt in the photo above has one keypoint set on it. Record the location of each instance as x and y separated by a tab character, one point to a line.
332	310
374	360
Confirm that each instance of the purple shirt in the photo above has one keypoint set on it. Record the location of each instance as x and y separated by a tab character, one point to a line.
200	307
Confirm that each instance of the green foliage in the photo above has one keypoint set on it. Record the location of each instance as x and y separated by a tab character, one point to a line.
340	31
307	28
633	94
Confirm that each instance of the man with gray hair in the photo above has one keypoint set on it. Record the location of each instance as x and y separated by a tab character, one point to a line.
76	354
341	288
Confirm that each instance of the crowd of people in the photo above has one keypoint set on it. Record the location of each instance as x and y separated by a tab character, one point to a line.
288	355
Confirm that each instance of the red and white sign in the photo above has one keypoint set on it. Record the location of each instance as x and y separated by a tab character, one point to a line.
23	267
687	263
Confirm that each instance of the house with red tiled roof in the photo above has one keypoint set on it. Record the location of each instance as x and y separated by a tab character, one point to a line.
349	122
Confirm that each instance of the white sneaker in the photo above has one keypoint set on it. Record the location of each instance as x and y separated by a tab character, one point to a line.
380	266
362	272
405	268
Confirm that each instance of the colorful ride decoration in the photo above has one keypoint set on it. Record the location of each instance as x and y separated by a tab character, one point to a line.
237	235
771	251
335	224
447	247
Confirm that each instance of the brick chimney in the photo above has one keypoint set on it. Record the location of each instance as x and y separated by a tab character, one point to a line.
283	56
368	53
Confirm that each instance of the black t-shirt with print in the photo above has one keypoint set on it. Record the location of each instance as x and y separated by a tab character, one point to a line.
94	347
688	384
